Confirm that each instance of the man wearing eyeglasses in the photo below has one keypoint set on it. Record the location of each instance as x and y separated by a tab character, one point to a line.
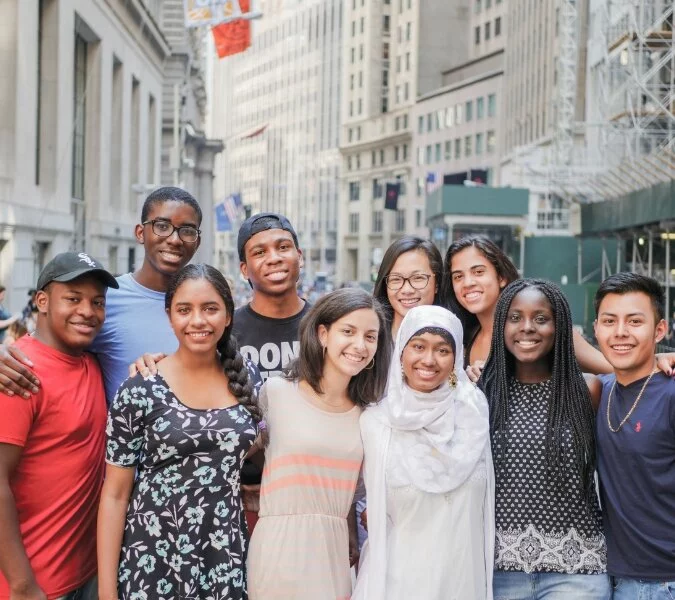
135	322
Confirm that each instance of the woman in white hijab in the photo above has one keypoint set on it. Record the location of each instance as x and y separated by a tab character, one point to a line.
428	472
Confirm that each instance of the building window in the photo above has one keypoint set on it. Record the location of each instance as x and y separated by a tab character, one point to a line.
487	31
354	223
361	51
477	6
405	151
360	106
468	111
430	122
458	148
351	82
354	191
386	25
498	26
385	50
80	108
353	55
418	217
420	186
360	79
363	24
488	4
420	155
480	108
438	152
405	121
400	220
491	141
492	105
382	156
448	150
420	124
406	91
458	114
449	116
385	104
476	37
428	154
479	144
353	28
377	221
377	189
349	135
373	158
467	146
408	31
407	61
398	64
395	153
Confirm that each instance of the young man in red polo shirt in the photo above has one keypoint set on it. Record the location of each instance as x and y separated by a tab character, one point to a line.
52	446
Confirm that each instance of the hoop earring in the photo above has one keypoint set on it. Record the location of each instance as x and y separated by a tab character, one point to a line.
452	380
371	363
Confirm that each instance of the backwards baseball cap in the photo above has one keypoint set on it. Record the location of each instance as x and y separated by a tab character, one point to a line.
262	222
71	265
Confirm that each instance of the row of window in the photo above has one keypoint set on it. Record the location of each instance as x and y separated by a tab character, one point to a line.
400	124
479	144
400	154
377	218
488	30
478	5
457	114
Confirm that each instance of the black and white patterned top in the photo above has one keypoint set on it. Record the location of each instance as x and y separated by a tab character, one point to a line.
541	524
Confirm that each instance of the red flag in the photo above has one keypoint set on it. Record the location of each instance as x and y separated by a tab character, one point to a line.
235	36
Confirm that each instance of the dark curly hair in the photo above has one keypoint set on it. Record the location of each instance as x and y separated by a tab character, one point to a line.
239	381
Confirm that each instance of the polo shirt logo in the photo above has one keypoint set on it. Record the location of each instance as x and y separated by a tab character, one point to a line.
638	426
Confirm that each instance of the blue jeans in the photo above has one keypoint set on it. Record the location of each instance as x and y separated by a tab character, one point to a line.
514	585
639	589
88	591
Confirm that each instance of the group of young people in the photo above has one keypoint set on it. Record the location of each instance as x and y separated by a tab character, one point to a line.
225	463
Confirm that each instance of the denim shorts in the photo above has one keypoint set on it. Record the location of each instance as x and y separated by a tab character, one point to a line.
88	591
515	585
639	589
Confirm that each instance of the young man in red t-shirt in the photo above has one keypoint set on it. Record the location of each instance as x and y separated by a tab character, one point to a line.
52	446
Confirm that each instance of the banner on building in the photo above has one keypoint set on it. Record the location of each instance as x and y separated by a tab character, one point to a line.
233	207
223	222
234	37
209	13
391	196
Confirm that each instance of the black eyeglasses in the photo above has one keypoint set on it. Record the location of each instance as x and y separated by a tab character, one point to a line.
418	281
187	233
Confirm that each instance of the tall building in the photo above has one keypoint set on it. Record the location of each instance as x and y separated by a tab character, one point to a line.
393	52
276	106
80	131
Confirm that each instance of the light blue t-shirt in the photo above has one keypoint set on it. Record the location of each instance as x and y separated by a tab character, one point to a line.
135	323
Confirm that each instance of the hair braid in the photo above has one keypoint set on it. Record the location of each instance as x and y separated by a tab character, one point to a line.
570	408
239	380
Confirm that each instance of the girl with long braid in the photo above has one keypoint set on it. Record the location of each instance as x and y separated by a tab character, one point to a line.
549	539
170	519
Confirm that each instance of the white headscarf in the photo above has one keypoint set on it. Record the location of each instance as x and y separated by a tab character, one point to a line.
436	439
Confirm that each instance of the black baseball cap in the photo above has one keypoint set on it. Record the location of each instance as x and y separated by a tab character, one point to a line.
71	265
262	222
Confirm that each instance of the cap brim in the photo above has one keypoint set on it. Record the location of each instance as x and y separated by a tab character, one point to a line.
101	274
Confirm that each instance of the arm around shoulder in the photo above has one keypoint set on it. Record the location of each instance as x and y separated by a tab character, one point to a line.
595	388
589	358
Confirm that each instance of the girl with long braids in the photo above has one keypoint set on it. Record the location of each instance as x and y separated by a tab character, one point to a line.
170	520
549	539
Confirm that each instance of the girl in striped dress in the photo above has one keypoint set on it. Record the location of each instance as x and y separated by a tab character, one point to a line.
300	547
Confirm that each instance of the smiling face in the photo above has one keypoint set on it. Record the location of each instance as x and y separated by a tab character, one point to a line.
409	264
166	255
198	315
627	331
529	333
272	262
427	361
475	281
71	314
350	342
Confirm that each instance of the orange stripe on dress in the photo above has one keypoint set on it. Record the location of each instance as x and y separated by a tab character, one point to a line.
313	460
329	483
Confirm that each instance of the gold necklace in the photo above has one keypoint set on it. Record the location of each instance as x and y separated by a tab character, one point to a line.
632	408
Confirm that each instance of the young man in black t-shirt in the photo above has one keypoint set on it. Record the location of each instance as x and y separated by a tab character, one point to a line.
635	430
267	327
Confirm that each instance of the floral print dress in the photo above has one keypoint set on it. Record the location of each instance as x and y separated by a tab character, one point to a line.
185	535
